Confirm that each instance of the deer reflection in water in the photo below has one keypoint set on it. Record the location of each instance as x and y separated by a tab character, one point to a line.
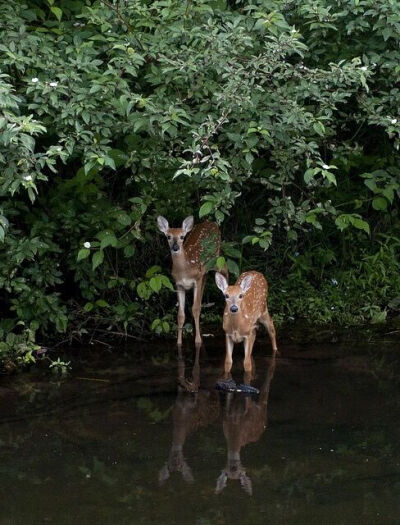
193	408
244	421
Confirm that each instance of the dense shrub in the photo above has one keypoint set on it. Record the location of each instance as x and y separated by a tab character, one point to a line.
278	119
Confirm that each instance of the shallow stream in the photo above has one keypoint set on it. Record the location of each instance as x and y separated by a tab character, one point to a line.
123	439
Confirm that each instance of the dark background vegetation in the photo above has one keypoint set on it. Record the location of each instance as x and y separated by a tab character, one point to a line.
279	120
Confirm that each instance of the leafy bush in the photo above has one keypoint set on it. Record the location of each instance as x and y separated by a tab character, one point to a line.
279	120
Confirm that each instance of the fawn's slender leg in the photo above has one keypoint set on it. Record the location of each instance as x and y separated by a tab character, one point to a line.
196	368
181	312
248	348
197	298
267	321
264	391
228	355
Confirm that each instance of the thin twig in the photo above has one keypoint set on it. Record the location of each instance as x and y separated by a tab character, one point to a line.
93	379
122	19
120	334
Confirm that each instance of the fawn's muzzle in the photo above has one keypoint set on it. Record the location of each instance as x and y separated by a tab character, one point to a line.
175	248
234	308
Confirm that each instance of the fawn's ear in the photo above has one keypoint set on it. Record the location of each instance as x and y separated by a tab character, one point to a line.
162	224
187	224
221	482
221	282
187	473
163	475
245	483
246	283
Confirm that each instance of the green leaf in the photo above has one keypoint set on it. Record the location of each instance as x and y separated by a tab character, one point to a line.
88	307
309	175
330	176
247	239
153	270
89	165
379	203
371	184
319	128
108	161
31	195
220	262
313	219
102	303
97	259
388	192
107	238
124	219
56	12
233	267
166	282
231	251
155	283
360	224
129	250
205	209
83	254
342	222
142	290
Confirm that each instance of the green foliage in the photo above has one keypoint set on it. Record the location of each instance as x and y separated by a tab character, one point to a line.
278	120
319	289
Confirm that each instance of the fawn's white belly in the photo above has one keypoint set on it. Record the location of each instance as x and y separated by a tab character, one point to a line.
187	284
236	336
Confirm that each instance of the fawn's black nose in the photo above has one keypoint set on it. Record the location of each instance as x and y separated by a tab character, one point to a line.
234	308
175	247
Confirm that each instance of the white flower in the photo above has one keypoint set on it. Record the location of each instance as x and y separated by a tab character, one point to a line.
325	166
53	84
364	68
87	244
34	80
393	121
28	177
334	282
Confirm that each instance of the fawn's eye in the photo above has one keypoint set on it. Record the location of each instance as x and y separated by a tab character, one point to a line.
240	296
169	237
226	296
182	237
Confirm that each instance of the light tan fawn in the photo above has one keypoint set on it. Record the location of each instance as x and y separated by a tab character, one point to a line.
191	248
245	420
246	305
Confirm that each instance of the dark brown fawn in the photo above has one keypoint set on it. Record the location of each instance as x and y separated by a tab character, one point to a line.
245	420
191	248
192	410
246	305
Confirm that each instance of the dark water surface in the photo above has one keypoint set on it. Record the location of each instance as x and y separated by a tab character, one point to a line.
123	440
